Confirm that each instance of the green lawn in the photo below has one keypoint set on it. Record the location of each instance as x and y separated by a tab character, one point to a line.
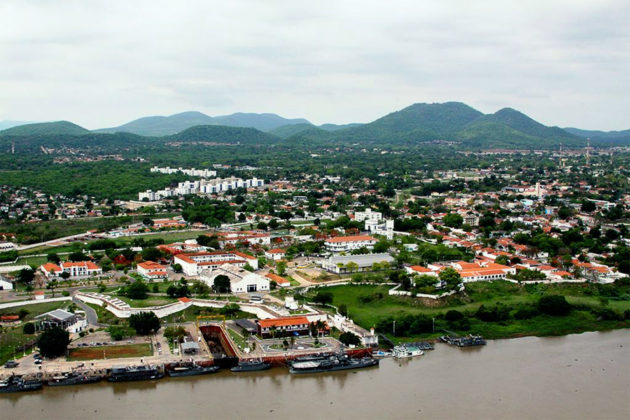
150	301
36	309
237	338
12	338
367	305
168	236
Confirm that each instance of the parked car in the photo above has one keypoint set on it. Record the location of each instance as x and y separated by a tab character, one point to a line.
11	364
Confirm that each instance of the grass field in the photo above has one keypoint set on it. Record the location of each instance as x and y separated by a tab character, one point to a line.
36	309
110	352
367	305
172	236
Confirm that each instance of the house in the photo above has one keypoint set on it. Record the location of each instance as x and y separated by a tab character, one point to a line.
152	271
349	243
194	263
482	271
78	269
357	263
294	325
280	281
241	280
276	254
421	271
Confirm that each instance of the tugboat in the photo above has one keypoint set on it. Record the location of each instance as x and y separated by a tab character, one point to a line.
15	383
190	369
332	364
134	373
73	378
403	352
251	366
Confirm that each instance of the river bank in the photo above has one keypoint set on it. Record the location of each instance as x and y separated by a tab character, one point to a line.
580	376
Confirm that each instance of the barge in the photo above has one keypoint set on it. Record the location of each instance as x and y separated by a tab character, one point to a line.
15	383
331	364
135	373
190	369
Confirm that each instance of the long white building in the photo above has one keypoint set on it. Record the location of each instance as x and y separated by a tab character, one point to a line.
241	280
194	263
203	186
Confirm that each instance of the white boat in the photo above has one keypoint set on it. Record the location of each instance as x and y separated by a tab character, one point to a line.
403	352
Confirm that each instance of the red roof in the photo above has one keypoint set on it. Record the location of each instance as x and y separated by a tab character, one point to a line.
276	278
150	265
283	322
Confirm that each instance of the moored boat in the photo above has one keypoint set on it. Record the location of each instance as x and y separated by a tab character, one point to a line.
73	378
332	364
250	366
134	373
403	352
15	383
190	369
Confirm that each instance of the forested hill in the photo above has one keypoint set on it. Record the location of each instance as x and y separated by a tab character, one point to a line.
602	137
453	122
49	128
162	126
223	134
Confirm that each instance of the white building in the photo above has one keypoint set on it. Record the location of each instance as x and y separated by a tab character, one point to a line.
152	271
377	228
79	269
275	254
368	214
241	280
349	243
194	263
203	186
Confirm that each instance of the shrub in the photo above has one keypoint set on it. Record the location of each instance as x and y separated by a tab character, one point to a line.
28	328
453	315
349	338
554	305
526	313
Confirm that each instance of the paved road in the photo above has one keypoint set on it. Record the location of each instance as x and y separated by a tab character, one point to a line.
92	317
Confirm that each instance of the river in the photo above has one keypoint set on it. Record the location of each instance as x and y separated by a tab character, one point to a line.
584	376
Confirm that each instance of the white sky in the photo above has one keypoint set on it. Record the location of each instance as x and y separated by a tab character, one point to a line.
103	63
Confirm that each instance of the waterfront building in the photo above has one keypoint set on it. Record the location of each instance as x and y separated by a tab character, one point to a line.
284	325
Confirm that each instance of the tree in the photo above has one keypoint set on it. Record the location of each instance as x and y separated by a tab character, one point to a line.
151	254
555	305
588	206
26	275
53	258
323	298
177	268
52	285
230	309
281	268
53	342
144	323
453	220
147	222
349	338
28	328
137	290
222	284
78	256
175	334
450	277
343	309
502	259
64	275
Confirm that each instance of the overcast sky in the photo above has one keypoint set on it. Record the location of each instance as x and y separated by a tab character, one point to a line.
103	63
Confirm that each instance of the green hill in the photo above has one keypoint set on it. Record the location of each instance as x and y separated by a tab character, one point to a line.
263	122
289	130
49	128
602	137
161	126
223	134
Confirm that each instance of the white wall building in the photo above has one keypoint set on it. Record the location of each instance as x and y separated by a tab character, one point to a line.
368	214
348	243
194	263
241	280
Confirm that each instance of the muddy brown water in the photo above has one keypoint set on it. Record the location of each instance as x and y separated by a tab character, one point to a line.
584	376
